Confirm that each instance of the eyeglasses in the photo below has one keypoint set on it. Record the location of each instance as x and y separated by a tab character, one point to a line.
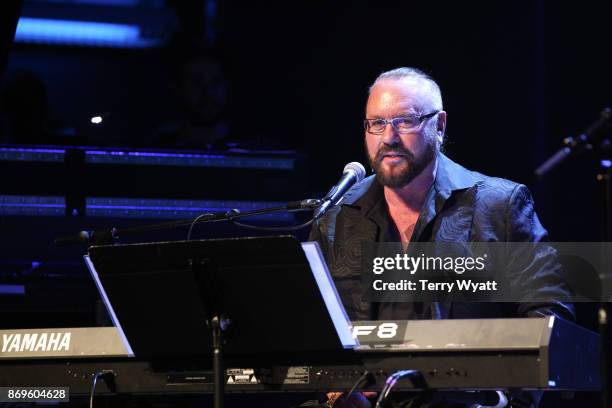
402	124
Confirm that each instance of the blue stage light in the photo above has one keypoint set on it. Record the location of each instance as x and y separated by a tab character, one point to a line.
32	205
188	159
82	33
31	154
12	289
175	209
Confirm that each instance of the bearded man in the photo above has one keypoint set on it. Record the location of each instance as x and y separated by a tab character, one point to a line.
418	194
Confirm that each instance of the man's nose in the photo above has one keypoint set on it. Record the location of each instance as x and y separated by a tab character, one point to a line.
390	135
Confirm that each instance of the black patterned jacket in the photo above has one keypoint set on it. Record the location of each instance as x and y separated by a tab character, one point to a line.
462	206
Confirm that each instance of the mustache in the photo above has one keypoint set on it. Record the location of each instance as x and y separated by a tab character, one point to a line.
397	150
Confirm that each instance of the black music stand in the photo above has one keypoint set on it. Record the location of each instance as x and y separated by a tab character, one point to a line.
252	301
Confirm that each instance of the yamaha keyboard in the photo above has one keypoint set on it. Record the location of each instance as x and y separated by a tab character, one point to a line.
530	353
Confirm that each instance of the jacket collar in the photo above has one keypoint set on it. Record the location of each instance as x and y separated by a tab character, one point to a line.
450	177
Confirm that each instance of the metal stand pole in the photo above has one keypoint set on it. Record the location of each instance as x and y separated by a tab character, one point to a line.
603	327
605	177
218	325
594	138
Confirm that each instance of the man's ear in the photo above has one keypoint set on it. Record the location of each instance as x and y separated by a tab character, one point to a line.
441	125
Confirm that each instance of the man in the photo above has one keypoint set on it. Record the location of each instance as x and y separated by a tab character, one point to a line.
200	97
419	195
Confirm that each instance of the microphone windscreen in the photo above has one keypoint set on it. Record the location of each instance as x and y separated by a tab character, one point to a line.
356	168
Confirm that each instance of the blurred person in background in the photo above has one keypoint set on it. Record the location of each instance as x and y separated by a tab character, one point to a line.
199	90
25	113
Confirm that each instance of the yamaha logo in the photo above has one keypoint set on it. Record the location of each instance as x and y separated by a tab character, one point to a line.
20	342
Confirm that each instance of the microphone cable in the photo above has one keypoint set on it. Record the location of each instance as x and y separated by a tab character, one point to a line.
391	380
229	216
273	229
109	378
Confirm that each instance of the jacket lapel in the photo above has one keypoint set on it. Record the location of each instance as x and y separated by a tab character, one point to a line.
451	178
352	228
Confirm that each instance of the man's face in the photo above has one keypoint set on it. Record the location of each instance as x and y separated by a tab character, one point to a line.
397	158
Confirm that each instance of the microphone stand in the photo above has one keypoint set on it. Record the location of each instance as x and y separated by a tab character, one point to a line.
217	322
112	236
591	138
594	138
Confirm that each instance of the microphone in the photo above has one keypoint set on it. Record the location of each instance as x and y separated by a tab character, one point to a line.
593	135
353	173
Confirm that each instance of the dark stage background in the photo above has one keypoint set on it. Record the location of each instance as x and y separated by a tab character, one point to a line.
517	77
